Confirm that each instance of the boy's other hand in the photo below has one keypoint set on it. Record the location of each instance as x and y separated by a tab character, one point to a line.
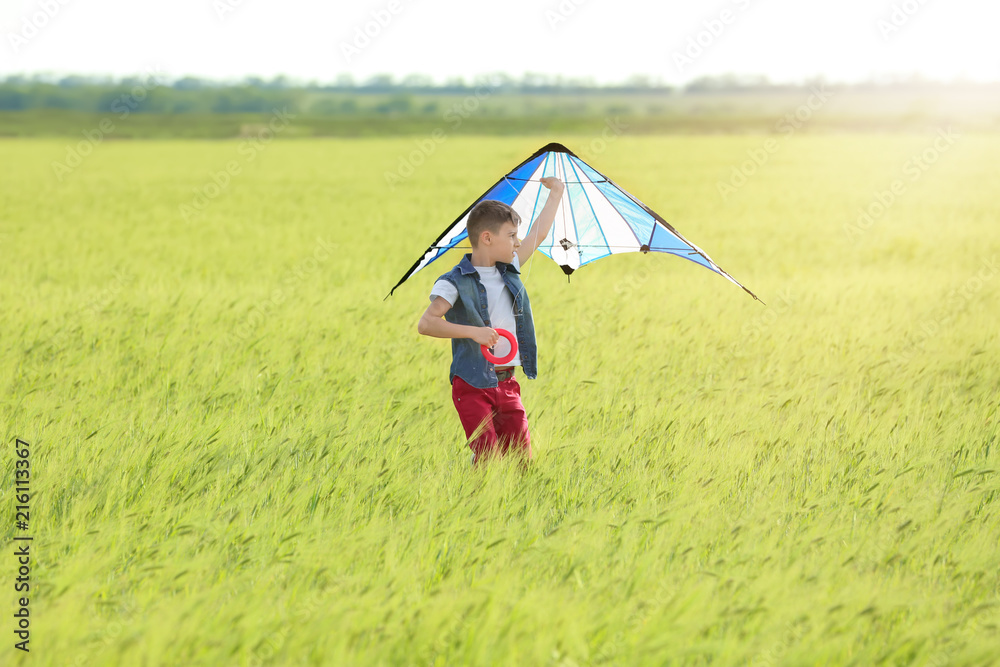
553	183
486	336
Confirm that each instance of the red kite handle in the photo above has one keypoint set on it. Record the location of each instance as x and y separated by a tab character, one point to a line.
513	348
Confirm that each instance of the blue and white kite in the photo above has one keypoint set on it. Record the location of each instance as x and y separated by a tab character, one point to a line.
596	217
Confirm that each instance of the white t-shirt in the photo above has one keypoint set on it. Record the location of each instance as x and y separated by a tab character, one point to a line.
499	304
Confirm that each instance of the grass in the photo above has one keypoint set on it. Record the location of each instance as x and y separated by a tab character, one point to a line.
242	454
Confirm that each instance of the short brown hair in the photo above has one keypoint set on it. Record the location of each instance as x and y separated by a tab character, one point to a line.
489	214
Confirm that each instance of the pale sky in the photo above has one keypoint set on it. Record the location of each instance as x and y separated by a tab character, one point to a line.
786	40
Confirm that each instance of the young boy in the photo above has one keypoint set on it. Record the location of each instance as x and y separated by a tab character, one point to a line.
484	291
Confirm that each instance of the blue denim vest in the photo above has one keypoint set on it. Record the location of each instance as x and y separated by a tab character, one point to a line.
470	309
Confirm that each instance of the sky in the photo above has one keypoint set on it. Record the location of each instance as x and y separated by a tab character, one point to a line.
607	41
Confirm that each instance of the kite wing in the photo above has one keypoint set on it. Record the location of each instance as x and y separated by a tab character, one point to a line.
596	217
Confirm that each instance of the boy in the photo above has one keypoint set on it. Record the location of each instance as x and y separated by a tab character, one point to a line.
483	291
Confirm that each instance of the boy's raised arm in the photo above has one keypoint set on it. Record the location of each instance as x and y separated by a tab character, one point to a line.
543	223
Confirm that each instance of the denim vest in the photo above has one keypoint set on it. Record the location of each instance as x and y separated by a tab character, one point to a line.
470	309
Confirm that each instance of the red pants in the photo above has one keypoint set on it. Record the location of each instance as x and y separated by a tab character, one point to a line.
498	415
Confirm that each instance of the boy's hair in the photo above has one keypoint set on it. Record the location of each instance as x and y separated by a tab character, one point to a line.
489	214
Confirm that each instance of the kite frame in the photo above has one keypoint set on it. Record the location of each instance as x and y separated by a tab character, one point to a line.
559	148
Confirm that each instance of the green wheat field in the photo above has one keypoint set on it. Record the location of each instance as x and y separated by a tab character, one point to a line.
242	454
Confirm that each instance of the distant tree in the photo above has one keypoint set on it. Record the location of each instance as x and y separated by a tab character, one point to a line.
280	81
455	84
189	83
417	81
534	80
499	81
727	83
326	106
57	99
396	104
74	80
184	105
12	99
638	82
379	82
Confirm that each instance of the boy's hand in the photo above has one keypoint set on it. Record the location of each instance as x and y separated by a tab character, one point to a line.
553	184
486	336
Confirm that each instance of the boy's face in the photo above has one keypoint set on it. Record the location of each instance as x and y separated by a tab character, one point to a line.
505	244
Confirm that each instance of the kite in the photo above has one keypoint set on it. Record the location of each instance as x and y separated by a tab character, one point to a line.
596	217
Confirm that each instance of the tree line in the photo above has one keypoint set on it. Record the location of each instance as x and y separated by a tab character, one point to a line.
383	93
